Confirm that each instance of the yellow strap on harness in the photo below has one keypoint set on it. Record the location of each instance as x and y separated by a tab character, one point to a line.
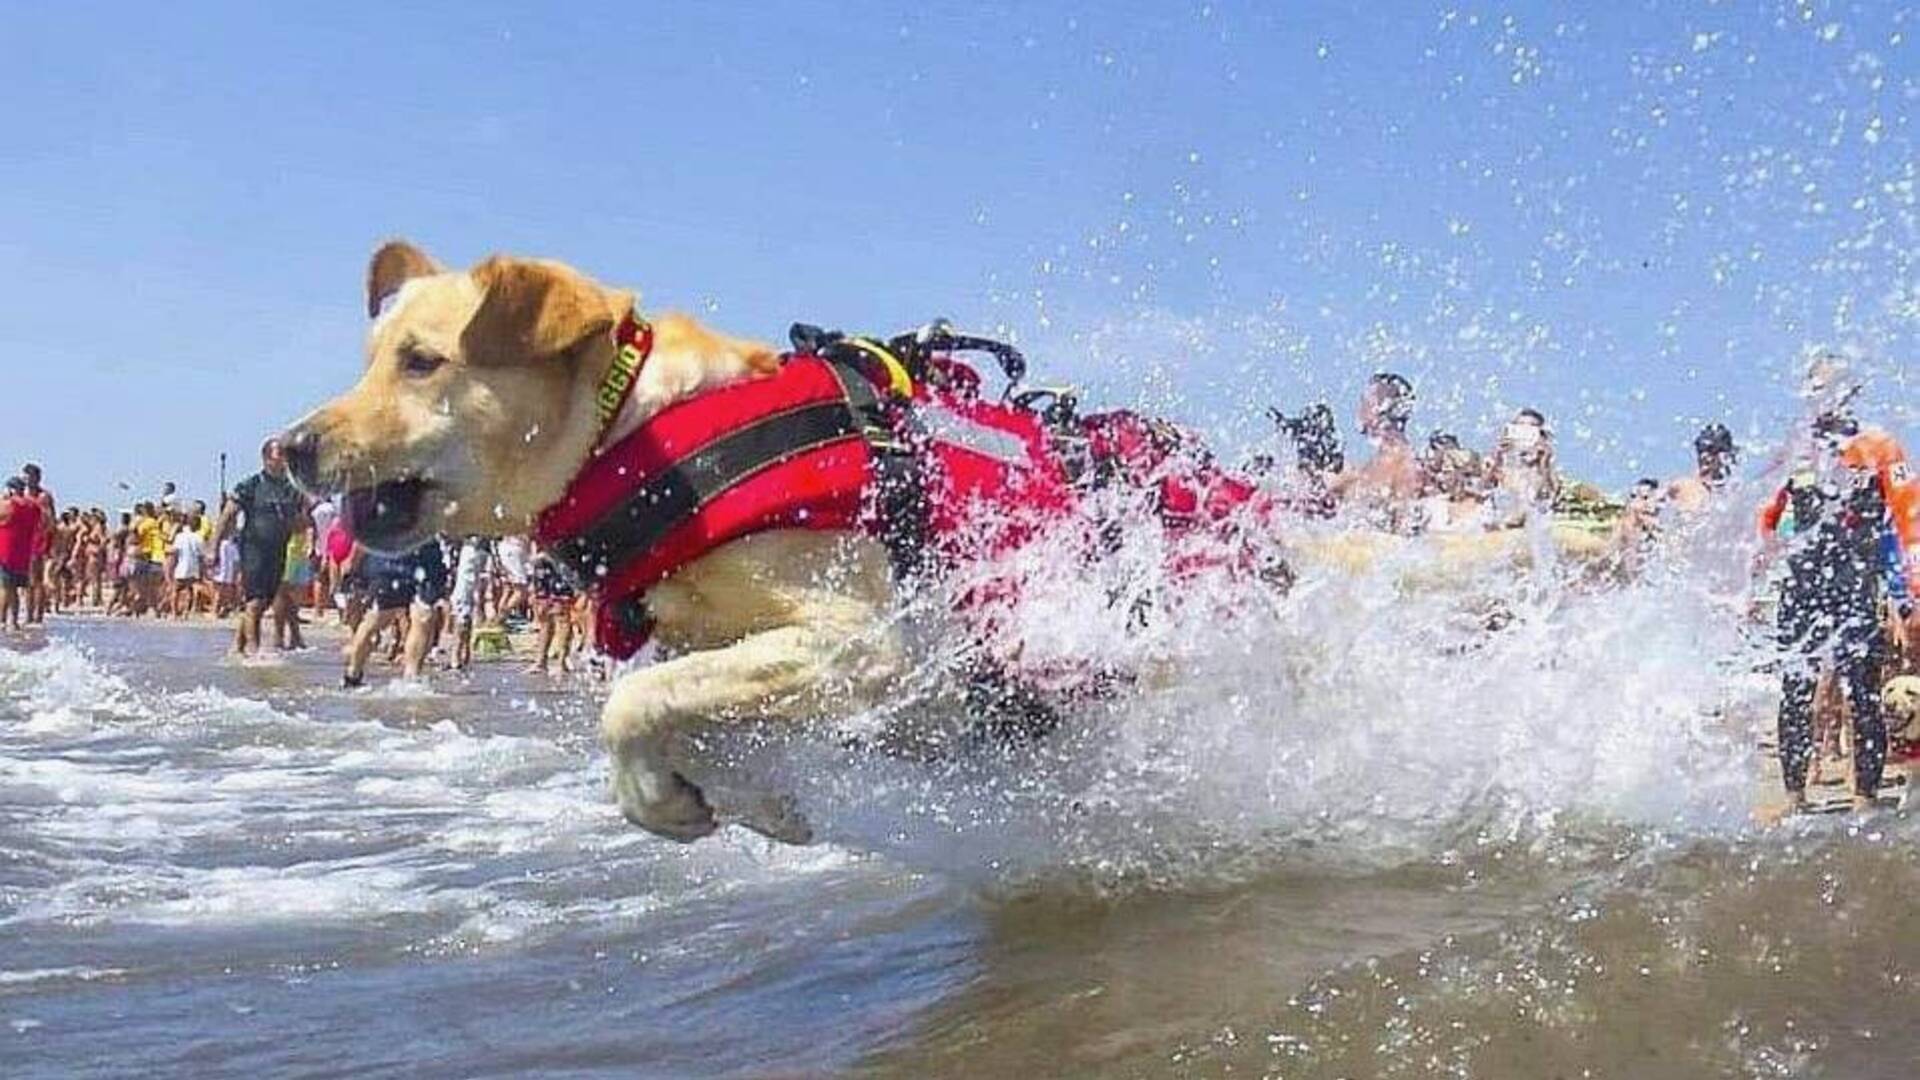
898	380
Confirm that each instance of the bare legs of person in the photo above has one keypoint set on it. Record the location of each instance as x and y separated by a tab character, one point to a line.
9	602
372	624
554	617
286	619
421	631
246	633
50	586
462	642
146	590
37	589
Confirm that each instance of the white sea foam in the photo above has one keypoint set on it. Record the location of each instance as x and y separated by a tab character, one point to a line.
203	808
61	974
1357	722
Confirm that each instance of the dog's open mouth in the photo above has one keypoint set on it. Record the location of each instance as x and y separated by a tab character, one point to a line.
390	515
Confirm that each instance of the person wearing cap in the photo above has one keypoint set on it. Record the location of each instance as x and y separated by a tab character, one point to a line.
1714	455
20	526
1388	484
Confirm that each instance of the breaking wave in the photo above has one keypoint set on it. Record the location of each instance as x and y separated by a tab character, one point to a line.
1366	720
127	806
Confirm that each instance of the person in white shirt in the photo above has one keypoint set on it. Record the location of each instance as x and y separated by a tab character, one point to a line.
189	553
469	576
226	578
514	557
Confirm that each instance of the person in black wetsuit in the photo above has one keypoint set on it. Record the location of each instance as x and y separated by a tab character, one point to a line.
267	508
1318	459
1837	524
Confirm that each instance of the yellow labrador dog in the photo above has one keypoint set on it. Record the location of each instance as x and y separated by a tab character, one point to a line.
479	404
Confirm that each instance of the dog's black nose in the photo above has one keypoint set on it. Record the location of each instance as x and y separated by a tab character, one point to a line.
301	447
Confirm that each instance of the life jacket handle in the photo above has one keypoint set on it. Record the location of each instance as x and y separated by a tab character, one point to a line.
1057	406
938	336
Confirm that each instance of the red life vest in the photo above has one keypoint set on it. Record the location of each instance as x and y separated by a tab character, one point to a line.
797	449
824	444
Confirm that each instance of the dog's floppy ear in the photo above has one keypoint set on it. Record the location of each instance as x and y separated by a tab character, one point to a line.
396	263
535	309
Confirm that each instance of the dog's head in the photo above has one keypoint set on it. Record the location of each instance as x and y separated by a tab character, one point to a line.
476	405
1900	699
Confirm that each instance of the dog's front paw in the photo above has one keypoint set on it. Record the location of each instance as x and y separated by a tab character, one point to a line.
671	807
777	818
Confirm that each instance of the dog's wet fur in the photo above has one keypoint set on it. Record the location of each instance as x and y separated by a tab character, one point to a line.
475	410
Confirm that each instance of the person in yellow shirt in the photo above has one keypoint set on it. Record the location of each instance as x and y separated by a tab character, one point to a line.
149	552
296	588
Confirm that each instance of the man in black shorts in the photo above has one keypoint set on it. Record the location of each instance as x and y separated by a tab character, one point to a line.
398	584
269	508
553	600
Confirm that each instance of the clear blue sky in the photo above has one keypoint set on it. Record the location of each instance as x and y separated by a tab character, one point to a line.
1631	218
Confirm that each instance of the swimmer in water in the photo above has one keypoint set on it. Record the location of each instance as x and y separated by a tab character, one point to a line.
1388	485
1714	455
1455	493
1638	526
1524	474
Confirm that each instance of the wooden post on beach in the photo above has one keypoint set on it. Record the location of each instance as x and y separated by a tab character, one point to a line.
223	477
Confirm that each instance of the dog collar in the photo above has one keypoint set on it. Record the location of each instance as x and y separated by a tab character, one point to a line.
633	343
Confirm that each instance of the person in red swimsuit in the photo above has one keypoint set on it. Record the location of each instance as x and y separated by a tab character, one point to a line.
20	529
37	587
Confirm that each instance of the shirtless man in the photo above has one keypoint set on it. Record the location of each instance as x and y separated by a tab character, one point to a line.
1714	455
1637	528
1454	499
89	559
37	590
1387	486
1524	474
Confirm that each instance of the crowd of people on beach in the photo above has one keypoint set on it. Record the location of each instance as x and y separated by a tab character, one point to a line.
276	558
1838	548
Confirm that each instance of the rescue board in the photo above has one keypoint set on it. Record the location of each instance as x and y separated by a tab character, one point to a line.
1440	560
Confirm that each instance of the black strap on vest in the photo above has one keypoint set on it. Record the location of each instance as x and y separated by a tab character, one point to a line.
899	476
679	492
664	502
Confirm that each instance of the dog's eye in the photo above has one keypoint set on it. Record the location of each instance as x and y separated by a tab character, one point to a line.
419	363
